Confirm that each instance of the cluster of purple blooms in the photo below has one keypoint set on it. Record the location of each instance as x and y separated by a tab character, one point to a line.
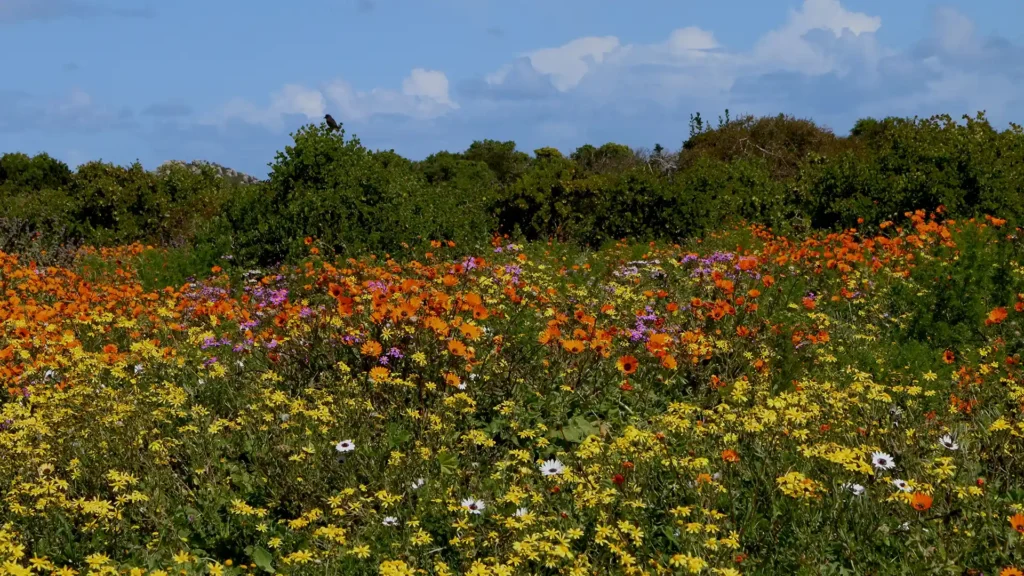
510	248
212	342
631	269
639	333
706	266
204	293
514	270
393	353
264	296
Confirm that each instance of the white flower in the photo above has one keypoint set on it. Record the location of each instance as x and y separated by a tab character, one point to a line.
520	512
901	484
418	483
551	467
473	505
389	521
138	368
345	446
882	461
856	489
948	442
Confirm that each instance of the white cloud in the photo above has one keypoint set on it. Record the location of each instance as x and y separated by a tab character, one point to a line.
954	31
424	95
429	84
684	40
292	99
788	48
824	62
570	62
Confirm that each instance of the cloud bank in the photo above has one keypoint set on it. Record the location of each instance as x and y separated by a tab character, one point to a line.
825	62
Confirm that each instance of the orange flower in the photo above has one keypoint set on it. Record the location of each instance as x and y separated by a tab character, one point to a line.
627	364
452	379
996	316
573	346
1017	521
748	263
371	348
457	348
1011	571
948	357
379	374
730	456
669	362
921	502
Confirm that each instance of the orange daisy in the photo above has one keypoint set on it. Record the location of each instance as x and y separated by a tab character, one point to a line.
1017	521
627	364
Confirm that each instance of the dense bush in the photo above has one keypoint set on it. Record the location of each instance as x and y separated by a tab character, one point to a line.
352	200
785	172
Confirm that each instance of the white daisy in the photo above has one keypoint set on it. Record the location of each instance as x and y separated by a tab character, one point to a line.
473	505
882	461
948	442
551	467
901	484
418	483
389	521
345	446
520	512
856	489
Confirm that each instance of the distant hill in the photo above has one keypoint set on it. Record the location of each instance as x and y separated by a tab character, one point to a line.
233	176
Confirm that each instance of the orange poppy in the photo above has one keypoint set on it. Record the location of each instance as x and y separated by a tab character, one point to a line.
921	502
730	456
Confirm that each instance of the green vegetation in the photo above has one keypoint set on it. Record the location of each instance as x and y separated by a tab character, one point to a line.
783	172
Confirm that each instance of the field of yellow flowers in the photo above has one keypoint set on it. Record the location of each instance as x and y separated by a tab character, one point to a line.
850	403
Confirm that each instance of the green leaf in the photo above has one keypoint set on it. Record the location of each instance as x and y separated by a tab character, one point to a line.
448	461
578	429
262	558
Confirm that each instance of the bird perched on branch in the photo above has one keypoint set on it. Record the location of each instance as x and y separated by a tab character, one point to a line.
331	123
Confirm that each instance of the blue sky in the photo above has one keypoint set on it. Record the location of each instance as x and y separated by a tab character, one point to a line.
229	80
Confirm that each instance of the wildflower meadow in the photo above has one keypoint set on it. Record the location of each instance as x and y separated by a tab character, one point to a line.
845	402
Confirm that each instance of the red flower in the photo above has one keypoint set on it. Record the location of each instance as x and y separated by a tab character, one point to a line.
618	479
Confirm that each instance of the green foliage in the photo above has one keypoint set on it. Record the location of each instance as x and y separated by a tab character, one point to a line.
353	200
785	172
